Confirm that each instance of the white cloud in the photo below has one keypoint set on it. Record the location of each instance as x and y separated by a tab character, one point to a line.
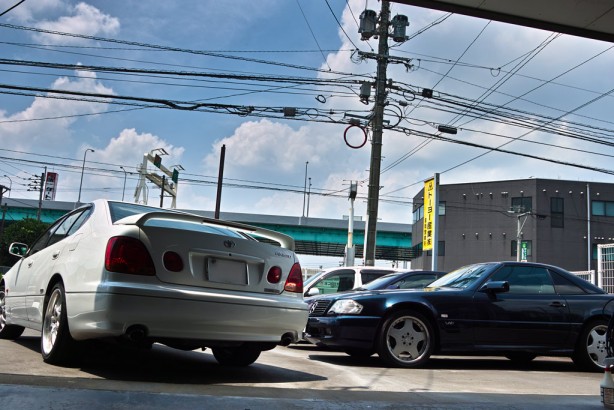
127	148
85	19
23	131
130	145
271	145
30	10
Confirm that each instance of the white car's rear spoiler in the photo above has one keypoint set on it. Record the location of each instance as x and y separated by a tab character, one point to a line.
284	240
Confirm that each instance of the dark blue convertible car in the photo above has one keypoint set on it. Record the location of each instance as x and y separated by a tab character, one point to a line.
514	309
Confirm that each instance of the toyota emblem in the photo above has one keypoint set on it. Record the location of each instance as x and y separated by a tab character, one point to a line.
229	244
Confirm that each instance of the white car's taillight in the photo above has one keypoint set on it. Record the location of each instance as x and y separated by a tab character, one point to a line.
128	255
294	283
274	275
172	261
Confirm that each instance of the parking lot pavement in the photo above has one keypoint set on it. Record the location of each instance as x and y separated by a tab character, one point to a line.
22	397
294	377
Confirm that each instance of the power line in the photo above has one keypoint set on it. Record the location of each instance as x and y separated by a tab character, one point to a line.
11	8
312	33
535	129
240	184
123	70
339	24
167	48
429	26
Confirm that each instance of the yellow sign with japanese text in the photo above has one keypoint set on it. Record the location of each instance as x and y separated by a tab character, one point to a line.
429	214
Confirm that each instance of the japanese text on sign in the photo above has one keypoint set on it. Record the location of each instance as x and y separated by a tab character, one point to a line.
429	214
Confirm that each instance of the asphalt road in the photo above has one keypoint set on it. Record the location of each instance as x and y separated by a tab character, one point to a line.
295	377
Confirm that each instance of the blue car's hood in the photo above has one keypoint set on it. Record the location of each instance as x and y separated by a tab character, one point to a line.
359	294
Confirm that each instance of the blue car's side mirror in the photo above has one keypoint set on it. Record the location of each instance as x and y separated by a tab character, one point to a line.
497	286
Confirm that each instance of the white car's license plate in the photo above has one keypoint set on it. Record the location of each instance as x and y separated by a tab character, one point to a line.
226	271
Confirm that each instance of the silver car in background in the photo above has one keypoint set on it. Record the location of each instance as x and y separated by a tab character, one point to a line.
148	275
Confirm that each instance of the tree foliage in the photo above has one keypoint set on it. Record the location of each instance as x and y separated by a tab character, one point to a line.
27	231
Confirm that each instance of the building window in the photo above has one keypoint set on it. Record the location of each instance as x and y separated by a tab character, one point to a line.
557	212
602	208
419	212
607	256
522	204
441	249
529	248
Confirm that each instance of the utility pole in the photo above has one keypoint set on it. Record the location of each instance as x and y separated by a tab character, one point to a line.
520	213
162	191
4	208
350	250
305	189
378	129
3	189
40	195
220	181
368	28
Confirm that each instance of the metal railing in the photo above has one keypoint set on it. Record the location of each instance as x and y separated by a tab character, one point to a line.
605	267
587	275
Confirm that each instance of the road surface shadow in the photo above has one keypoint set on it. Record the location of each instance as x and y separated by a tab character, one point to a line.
541	363
162	364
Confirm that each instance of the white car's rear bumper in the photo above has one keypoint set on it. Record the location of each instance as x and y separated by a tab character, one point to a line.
167	312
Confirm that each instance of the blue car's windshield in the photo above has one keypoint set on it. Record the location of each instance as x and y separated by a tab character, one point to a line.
462	277
380	282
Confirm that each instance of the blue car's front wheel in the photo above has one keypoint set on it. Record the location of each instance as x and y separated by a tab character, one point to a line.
406	339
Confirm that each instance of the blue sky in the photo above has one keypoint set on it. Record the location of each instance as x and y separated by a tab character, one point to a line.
560	80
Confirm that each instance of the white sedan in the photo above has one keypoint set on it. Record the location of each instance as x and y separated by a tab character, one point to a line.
148	275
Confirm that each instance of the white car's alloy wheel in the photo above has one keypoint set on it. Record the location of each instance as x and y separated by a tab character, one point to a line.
56	342
52	321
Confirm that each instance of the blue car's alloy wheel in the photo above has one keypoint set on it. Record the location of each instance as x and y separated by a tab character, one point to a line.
406	339
591	349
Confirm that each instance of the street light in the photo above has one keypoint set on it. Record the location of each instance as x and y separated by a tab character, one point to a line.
124	189
10	185
82	170
519	214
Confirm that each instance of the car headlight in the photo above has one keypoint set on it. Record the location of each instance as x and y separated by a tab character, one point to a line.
345	307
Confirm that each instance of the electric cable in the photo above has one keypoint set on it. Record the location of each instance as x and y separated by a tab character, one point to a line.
312	33
339	24
168	48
